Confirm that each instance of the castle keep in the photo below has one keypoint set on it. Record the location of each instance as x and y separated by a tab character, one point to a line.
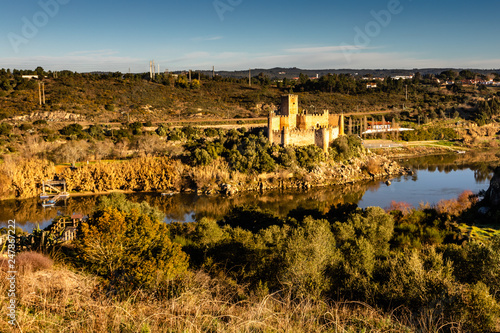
288	127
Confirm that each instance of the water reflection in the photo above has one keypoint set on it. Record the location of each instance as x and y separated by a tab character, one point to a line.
435	178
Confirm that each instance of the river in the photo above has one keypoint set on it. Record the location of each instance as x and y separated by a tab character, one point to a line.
435	178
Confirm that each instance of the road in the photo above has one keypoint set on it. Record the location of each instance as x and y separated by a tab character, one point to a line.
382	145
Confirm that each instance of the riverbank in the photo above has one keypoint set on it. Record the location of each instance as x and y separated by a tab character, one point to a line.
162	174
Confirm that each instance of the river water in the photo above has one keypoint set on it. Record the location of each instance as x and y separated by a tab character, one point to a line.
435	178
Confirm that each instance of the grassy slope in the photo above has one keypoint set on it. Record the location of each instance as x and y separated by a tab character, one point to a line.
151	101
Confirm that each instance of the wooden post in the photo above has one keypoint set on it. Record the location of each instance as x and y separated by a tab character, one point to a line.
40	92
43	91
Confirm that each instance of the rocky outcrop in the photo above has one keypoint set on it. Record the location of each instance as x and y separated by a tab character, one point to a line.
492	196
50	116
326	174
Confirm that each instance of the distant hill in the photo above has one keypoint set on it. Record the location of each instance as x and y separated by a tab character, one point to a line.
277	72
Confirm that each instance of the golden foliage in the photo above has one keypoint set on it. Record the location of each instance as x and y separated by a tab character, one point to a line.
140	174
25	175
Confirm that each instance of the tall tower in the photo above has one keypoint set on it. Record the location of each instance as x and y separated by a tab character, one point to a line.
289	105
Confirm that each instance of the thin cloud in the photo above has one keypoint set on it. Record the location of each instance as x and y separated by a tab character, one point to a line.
108	60
202	39
94	53
328	49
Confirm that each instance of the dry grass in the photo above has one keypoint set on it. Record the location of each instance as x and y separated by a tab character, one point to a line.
372	166
59	300
218	172
30	261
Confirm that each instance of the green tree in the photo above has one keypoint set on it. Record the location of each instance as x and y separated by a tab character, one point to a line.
307	253
129	250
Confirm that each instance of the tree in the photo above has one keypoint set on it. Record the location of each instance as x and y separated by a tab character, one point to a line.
307	253
129	249
40	72
303	78
195	84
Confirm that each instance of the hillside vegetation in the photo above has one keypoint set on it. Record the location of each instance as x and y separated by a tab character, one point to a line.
120	97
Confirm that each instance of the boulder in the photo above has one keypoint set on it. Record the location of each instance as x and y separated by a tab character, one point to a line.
492	196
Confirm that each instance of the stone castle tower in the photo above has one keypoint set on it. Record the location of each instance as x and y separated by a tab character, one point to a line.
288	127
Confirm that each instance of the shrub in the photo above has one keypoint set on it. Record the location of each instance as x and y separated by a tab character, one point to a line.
401	206
40	122
251	218
309	157
372	167
73	129
136	128
33	261
456	206
162	130
25	127
5	129
307	253
129	250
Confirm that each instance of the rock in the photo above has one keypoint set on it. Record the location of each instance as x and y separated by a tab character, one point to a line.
492	196
388	183
483	210
228	189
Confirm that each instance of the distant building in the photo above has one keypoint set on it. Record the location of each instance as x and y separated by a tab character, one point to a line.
287	127
29	77
403	77
384	126
379	125
371	85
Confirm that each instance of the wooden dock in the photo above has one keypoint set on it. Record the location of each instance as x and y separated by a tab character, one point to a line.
53	191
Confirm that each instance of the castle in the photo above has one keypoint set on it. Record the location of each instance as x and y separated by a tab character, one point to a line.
288	127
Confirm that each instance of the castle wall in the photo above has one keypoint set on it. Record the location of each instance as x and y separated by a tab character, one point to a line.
334	133
277	137
284	122
301	137
334	120
309	121
274	123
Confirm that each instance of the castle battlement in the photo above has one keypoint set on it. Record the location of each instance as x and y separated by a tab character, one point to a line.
299	130
314	114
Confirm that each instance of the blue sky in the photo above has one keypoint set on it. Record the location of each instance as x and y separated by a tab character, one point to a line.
238	34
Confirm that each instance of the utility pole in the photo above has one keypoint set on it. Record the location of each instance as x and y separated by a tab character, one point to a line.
189	76
43	92
406	88
249	77
40	92
213	72
151	70
154	70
